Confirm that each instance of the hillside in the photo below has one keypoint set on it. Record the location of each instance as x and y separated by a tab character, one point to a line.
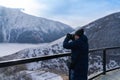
18	27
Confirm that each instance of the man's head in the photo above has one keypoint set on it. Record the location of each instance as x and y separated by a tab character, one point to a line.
78	33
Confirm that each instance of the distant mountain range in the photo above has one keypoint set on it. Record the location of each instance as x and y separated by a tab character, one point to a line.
18	27
103	32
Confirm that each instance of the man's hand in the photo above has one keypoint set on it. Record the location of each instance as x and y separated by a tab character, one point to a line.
68	36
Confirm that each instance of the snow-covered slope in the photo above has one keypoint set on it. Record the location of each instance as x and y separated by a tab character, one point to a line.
104	32
18	27
55	66
31	75
10	48
101	33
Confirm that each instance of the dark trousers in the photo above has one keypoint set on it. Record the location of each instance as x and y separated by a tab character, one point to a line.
79	74
71	74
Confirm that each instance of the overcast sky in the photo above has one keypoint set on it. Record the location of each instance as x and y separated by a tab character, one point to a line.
72	12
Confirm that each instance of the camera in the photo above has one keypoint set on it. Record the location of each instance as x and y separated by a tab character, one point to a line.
70	36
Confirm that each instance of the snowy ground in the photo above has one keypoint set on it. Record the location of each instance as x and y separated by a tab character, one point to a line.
31	75
11	48
42	75
113	75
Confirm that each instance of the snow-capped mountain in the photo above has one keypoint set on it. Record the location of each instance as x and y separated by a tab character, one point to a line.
101	33
104	32
18	27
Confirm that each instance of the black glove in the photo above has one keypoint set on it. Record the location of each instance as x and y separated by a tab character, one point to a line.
68	36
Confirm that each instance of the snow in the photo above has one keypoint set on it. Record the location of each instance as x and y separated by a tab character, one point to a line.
42	75
45	76
112	64
113	75
118	16
11	48
31	75
89	26
14	22
92	75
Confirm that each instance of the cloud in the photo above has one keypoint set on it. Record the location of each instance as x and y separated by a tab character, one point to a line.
30	6
78	12
73	12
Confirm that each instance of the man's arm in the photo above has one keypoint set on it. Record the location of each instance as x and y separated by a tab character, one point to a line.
70	45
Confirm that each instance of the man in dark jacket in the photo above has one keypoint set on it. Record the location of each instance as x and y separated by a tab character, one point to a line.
79	56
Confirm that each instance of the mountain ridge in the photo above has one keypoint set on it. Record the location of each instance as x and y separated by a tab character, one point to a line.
19	27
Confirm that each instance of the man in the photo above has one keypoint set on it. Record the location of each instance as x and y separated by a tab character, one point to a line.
79	56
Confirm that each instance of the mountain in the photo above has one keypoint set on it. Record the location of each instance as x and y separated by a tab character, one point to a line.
57	67
103	32
18	27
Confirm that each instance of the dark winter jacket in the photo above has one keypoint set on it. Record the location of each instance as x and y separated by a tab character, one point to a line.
79	54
